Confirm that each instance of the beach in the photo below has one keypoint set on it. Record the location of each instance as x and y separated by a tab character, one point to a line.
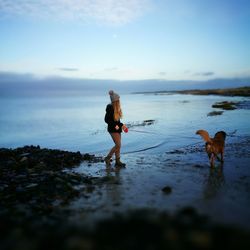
167	196
172	76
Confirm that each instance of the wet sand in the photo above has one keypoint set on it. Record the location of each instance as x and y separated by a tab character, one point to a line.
179	203
222	193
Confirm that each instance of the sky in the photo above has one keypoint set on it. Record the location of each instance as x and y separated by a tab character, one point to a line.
126	39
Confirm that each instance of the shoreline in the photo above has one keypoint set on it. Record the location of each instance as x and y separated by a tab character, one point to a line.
241	91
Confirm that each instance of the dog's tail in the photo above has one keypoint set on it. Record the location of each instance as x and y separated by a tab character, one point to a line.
204	134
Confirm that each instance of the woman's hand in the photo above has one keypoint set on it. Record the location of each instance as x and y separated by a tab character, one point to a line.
117	127
124	128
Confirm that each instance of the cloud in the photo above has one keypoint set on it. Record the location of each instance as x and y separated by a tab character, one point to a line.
111	12
162	73
68	69
16	84
208	73
6	77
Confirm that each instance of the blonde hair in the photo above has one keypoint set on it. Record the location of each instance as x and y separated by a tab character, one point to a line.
117	110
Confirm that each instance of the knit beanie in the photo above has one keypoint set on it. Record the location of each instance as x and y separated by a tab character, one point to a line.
113	96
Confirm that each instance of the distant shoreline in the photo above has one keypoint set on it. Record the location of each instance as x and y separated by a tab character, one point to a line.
241	91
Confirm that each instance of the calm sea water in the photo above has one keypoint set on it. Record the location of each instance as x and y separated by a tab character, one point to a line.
77	123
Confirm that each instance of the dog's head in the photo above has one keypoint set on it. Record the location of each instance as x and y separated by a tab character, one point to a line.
221	135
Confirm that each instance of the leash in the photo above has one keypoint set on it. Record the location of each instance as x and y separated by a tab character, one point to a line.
144	132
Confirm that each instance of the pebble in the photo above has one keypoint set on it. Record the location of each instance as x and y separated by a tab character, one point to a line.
32	185
167	190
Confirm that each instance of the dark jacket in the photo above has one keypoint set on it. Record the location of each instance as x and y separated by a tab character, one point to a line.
109	119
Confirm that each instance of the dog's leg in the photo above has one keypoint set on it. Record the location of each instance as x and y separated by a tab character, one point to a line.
218	158
222	164
209	156
212	160
222	156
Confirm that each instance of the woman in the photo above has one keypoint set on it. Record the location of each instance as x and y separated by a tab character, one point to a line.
115	127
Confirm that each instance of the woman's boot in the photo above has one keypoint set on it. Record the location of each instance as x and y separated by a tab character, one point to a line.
120	164
108	160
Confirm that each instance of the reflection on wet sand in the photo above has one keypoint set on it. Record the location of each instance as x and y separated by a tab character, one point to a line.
114	192
214	182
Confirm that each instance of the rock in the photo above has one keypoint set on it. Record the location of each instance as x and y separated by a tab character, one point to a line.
20	189
176	151
58	179
225	105
87	157
36	178
24	154
21	176
32	185
201	240
214	113
90	188
167	190
23	159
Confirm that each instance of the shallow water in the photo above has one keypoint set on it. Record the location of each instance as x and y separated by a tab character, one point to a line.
76	123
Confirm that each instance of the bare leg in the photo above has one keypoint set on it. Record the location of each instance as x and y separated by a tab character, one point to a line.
116	149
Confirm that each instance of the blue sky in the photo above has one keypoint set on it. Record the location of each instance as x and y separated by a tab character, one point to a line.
126	39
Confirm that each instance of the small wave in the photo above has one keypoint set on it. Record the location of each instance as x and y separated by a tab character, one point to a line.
145	149
98	131
243	105
129	125
140	123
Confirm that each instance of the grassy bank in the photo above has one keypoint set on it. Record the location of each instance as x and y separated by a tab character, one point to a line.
241	91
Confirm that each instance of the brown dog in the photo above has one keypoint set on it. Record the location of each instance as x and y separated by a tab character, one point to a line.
214	146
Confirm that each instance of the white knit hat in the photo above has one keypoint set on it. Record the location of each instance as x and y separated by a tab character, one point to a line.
113	96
